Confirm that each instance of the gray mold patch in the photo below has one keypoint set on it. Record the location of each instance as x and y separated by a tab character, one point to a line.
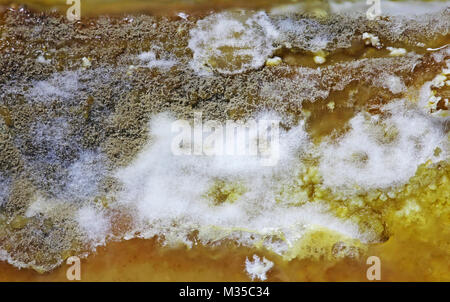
64	86
84	176
73	126
57	162
5	184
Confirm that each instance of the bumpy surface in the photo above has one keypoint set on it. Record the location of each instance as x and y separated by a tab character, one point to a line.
85	131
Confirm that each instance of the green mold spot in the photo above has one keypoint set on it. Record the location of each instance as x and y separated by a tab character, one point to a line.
386	134
437	151
6	115
225	192
87	107
19	222
101	200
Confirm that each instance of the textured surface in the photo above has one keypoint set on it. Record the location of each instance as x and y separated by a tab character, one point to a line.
67	128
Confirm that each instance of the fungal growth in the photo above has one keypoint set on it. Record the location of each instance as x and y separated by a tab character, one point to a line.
232	42
88	116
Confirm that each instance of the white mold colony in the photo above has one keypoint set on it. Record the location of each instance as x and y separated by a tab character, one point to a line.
308	34
429	99
151	61
94	224
381	151
408	9
61	85
168	195
65	86
258	268
389	81
84	175
42	205
232	42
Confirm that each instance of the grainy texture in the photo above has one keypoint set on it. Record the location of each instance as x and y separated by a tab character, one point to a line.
105	109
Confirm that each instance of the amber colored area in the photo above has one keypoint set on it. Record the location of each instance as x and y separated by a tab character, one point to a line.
144	260
417	250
